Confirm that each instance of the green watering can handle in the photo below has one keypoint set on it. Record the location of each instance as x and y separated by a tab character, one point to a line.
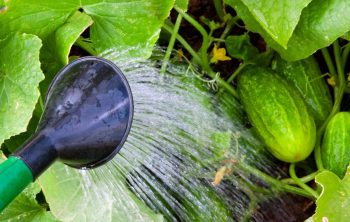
14	177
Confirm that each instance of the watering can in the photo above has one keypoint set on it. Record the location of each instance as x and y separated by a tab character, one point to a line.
87	118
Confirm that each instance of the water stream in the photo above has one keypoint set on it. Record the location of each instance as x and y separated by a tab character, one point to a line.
181	136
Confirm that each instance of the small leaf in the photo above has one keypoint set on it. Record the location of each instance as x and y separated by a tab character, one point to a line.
221	142
20	75
219	54
334	202
210	23
240	47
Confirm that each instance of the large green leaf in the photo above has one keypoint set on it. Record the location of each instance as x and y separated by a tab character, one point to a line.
321	23
25	208
57	46
117	24
334	202
95	198
20	75
277	18
67	34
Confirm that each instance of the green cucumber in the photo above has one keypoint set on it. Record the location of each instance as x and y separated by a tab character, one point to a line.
278	113
335	149
306	76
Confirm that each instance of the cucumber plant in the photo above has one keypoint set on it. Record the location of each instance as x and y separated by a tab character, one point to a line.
306	76
38	34
292	33
278	113
335	144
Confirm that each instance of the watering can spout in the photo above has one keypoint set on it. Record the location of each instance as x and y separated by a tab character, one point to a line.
87	118
38	154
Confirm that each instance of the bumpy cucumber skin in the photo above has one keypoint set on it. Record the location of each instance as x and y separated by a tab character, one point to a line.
335	149
307	78
278	113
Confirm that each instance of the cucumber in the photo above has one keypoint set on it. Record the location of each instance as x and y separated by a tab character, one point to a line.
335	148
306	76
278	113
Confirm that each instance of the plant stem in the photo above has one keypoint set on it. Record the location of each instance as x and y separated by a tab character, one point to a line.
345	55
317	152
205	36
253	202
184	43
274	182
300	183
338	96
340	87
41	103
203	58
236	72
218	40
329	62
340	70
219	9
230	23
195	56
304	179
253	187
171	44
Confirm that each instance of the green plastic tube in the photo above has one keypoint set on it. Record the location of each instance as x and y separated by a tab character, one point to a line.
14	177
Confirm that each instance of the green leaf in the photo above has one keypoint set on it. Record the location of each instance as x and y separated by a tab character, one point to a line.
57	46
25	208
277	18
321	23
75	195
67	34
240	47
334	202
20	75
221	142
182	4
14	142
346	36
117	24
124	25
